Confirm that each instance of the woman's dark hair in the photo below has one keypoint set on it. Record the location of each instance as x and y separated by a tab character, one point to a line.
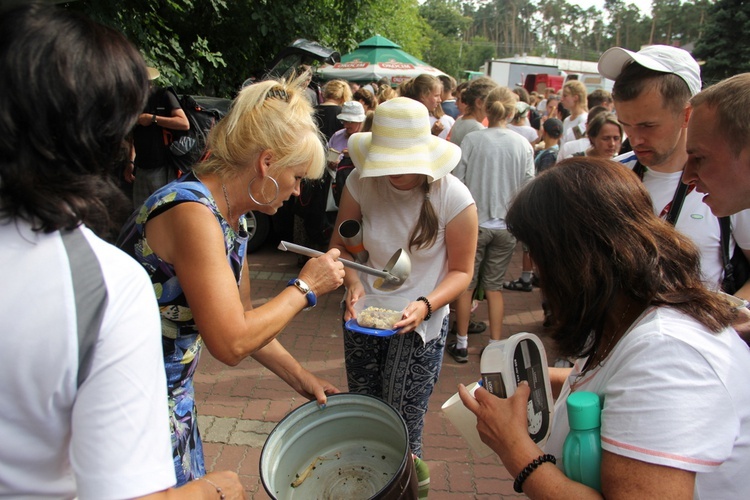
590	228
595	124
366	97
72	90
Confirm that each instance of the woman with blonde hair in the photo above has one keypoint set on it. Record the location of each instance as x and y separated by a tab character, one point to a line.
574	101
495	163
191	238
429	91
385	93
335	94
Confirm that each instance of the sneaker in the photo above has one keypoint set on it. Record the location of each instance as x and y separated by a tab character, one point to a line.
460	355
477	326
474	327
518	285
535	280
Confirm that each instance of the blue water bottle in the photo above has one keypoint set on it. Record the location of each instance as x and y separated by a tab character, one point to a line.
582	451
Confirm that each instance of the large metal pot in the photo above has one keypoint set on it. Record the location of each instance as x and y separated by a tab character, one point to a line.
355	448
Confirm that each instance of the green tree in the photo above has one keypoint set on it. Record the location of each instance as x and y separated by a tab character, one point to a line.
447	26
725	42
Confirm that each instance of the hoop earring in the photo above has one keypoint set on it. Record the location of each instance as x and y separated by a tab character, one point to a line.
250	192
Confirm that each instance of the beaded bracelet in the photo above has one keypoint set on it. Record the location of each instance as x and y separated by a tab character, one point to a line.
526	472
222	496
429	307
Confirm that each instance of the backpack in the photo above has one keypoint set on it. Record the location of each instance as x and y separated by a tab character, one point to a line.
346	165
188	147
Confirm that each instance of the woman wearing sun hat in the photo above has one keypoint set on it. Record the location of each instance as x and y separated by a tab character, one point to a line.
404	195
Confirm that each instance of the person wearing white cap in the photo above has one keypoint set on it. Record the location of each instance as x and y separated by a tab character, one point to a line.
520	123
405	197
351	117
652	91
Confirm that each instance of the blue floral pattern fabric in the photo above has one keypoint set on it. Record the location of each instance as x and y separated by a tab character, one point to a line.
181	341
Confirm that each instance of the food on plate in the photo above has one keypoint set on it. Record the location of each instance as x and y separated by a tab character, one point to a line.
378	317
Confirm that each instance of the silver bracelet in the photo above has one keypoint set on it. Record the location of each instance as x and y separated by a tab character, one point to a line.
222	496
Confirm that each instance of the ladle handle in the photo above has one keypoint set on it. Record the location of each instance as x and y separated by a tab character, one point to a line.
286	246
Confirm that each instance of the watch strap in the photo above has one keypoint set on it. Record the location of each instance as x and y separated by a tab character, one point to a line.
312	299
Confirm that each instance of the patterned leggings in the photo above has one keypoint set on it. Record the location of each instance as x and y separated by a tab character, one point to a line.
400	369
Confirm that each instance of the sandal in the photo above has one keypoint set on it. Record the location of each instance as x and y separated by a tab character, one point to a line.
518	285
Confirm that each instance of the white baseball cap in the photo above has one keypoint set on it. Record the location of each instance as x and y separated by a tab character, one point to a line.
662	58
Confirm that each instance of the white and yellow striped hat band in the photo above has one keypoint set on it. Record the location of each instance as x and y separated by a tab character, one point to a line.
401	143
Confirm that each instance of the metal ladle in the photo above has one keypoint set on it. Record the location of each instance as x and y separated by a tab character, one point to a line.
396	271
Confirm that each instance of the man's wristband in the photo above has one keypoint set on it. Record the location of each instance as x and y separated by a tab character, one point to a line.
312	300
153	119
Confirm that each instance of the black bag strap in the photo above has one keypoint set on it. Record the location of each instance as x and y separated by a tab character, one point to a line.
675	206
90	293
726	231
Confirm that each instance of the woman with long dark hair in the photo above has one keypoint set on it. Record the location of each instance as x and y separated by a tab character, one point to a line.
84	390
650	340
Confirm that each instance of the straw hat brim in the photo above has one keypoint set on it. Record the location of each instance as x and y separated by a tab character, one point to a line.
433	157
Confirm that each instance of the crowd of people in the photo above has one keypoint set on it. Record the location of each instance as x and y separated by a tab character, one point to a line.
622	201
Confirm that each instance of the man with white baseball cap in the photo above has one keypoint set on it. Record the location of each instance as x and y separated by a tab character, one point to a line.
651	93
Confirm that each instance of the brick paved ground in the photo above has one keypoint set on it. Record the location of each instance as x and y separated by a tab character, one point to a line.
240	405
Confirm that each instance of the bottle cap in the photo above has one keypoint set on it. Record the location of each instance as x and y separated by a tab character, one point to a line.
584	411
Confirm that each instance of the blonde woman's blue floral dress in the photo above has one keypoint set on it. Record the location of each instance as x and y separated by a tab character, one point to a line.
181	340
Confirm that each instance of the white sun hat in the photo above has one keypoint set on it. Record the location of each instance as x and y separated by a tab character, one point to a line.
352	111
401	143
662	58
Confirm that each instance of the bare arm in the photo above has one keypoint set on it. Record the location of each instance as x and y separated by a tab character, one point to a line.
178	120
348	209
189	237
502	426
557	377
461	245
200	489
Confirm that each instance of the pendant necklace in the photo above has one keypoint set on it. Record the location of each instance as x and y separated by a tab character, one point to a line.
229	207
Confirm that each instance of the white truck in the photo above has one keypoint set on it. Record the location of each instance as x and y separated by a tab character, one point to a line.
511	73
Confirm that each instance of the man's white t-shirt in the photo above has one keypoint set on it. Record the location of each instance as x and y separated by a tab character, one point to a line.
695	220
108	438
673	394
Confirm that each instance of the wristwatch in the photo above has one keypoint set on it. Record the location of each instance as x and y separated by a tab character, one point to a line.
312	300
153	118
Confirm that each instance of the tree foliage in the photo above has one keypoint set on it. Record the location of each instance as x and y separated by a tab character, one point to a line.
725	44
212	46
